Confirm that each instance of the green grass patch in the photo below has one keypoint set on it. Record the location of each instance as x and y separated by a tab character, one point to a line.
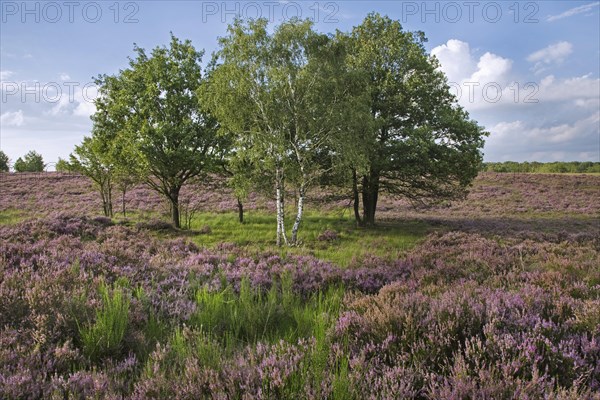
104	337
257	234
12	217
251	316
229	320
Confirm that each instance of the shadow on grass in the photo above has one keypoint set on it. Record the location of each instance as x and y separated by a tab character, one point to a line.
555	228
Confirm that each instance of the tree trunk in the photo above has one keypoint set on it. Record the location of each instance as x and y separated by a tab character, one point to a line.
110	206
174	198
123	203
105	207
105	192
279	188
240	210
356	198
370	195
298	215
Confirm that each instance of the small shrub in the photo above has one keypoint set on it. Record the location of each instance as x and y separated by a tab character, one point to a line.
155	225
205	230
328	235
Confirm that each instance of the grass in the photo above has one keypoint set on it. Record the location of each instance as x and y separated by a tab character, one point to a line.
251	316
228	320
388	240
12	217
257	234
103	338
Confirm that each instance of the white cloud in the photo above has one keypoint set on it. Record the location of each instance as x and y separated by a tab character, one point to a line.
64	77
62	106
471	75
12	118
459	64
514	137
580	88
80	103
491	68
85	101
503	130
545	118
84	109
555	53
590	104
573	11
4	75
567	132
489	82
455	59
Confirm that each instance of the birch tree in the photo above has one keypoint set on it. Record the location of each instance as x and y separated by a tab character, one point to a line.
281	93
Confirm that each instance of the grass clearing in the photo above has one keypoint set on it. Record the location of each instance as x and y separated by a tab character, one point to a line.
257	234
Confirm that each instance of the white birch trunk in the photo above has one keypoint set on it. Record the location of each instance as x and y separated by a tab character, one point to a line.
281	236
298	215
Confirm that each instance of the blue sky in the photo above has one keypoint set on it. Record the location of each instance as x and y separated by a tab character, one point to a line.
528	71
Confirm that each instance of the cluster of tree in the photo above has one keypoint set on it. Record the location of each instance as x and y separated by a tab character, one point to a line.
4	162
30	162
543	168
368	110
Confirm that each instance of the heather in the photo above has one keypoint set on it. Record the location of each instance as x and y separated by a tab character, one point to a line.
484	304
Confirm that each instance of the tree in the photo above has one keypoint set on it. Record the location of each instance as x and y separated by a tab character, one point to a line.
90	159
32	162
419	143
152	108
63	165
4	162
280	95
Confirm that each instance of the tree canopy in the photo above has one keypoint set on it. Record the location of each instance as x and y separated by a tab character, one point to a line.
282	97
419	143
368	109
31	162
151	112
4	162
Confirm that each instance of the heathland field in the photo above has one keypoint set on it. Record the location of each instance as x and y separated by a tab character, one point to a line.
496	296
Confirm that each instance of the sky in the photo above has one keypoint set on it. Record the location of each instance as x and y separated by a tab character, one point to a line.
528	71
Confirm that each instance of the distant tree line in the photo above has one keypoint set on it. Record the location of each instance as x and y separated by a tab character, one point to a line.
30	162
558	167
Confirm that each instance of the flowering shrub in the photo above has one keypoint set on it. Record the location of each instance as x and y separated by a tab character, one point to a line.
486	307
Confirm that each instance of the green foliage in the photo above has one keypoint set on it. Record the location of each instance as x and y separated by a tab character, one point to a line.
572	167
419	143
92	159
283	98
63	165
32	162
150	111
4	162
103	338
251	315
